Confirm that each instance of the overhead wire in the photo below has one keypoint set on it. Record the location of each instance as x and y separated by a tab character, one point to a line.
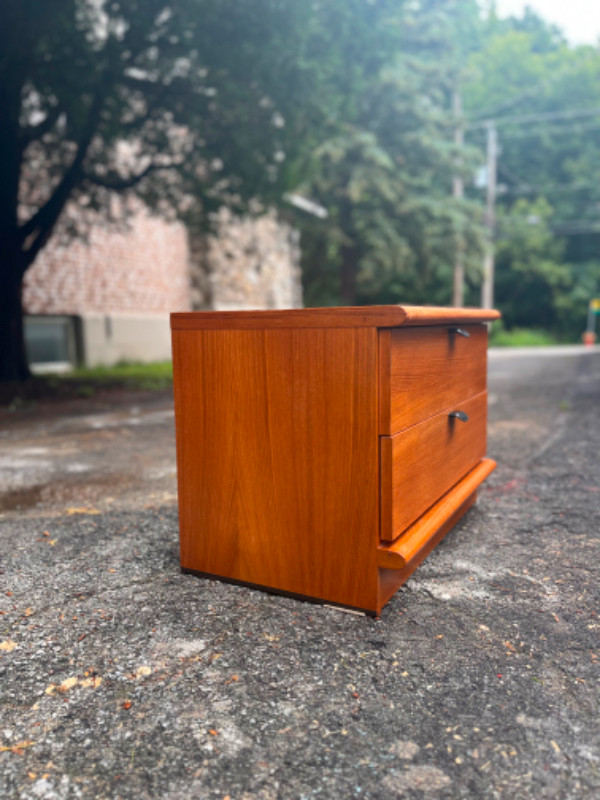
574	113
556	131
533	91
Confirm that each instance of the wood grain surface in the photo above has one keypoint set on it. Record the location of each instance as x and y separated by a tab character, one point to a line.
426	370
285	482
423	462
277	452
390	580
436	315
414	540
341	317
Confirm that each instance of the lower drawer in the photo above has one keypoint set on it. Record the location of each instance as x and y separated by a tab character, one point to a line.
423	462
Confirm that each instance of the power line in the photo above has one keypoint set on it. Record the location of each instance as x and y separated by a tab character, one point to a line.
524	187
533	91
511	176
565	227
568	227
556	131
562	188
575	113
528	188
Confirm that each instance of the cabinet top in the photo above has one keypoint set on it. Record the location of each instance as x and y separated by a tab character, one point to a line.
342	317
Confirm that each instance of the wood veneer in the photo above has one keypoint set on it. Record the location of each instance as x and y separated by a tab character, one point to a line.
282	471
343	317
442	450
425	370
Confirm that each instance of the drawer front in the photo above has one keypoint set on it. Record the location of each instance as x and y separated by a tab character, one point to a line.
423	371
422	463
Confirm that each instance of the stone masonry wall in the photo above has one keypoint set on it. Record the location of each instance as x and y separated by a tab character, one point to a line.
144	270
248	263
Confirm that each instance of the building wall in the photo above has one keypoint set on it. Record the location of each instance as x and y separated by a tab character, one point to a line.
144	270
121	285
248	263
108	339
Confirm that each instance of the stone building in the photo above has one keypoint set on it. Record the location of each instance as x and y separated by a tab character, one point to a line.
248	263
108	299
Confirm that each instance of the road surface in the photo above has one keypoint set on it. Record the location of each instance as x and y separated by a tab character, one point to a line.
121	677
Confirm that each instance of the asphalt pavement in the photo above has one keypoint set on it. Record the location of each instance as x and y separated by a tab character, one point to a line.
122	678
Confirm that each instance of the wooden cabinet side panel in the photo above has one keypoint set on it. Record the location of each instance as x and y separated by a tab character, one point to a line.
278	458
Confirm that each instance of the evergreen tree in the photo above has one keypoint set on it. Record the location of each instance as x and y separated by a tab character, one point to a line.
386	178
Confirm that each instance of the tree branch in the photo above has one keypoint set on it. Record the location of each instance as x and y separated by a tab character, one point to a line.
177	86
41	224
118	183
151	107
141	84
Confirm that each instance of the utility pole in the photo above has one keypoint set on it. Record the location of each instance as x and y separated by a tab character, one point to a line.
458	289
487	286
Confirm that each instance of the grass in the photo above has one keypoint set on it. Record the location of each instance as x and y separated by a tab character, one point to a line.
157	375
521	337
87	383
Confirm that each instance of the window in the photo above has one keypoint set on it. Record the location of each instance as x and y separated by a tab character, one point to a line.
51	342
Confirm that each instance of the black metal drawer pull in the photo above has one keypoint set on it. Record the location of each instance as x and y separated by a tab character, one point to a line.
460	332
459	415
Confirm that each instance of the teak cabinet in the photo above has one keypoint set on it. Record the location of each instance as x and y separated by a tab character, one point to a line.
324	452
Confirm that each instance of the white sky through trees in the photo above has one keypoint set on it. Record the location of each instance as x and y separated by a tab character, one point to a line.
579	19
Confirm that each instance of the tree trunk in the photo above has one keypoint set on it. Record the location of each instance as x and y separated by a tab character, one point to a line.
348	275
13	358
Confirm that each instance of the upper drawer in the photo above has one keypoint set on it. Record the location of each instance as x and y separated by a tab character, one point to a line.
425	370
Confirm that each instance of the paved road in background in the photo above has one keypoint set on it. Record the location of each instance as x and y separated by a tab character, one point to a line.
120	677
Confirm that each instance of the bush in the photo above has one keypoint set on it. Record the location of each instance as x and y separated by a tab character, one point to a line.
520	337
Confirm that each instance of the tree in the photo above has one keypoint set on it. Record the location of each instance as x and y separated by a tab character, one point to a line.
523	72
386	178
186	104
393	231
531	274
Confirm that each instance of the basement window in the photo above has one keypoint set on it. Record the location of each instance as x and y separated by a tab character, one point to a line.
51	343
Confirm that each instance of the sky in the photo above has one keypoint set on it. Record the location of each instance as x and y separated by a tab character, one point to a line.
579	19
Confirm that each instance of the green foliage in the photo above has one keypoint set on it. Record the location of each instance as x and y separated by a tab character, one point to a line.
548	248
535	286
88	383
133	376
188	105
157	370
554	158
529	274
386	177
197	103
572	305
520	337
185	106
393	230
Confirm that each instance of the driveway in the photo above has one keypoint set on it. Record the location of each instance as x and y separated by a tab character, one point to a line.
122	678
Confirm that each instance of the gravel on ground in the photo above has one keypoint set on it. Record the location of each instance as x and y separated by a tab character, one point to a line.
120	677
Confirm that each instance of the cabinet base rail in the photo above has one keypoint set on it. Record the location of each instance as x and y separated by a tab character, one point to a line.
415	540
